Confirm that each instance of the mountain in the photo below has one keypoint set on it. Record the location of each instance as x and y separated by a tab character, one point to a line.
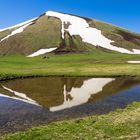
65	33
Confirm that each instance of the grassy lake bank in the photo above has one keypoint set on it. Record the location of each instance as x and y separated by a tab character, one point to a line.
122	124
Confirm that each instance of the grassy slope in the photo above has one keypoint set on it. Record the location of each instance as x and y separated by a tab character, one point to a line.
123	38
119	125
73	44
93	64
44	33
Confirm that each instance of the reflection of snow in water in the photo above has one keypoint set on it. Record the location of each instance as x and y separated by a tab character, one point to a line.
22	96
82	95
75	97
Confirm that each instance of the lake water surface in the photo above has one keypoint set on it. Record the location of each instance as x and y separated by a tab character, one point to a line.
30	102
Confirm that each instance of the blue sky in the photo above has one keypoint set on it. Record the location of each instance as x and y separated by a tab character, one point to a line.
124	13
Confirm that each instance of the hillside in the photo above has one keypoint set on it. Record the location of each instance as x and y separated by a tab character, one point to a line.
62	33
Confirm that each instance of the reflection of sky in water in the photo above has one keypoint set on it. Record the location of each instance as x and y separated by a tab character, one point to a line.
78	96
71	95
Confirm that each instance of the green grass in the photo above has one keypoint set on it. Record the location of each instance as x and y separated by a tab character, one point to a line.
119	125
98	64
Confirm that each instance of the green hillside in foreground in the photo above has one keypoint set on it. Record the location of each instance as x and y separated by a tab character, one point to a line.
119	125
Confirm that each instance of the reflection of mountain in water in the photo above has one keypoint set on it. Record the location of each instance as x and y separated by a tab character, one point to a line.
61	93
46	91
19	96
82	95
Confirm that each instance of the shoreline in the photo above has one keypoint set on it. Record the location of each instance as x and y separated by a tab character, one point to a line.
126	120
13	77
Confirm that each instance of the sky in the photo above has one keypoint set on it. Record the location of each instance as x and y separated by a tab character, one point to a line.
124	13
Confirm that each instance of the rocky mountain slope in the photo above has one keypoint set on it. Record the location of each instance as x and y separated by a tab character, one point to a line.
63	33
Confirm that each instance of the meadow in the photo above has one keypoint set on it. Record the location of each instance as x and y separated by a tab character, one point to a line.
119	125
96	64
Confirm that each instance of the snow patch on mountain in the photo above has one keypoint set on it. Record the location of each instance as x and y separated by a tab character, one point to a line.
20	28
41	51
136	51
79	26
134	62
17	31
18	25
